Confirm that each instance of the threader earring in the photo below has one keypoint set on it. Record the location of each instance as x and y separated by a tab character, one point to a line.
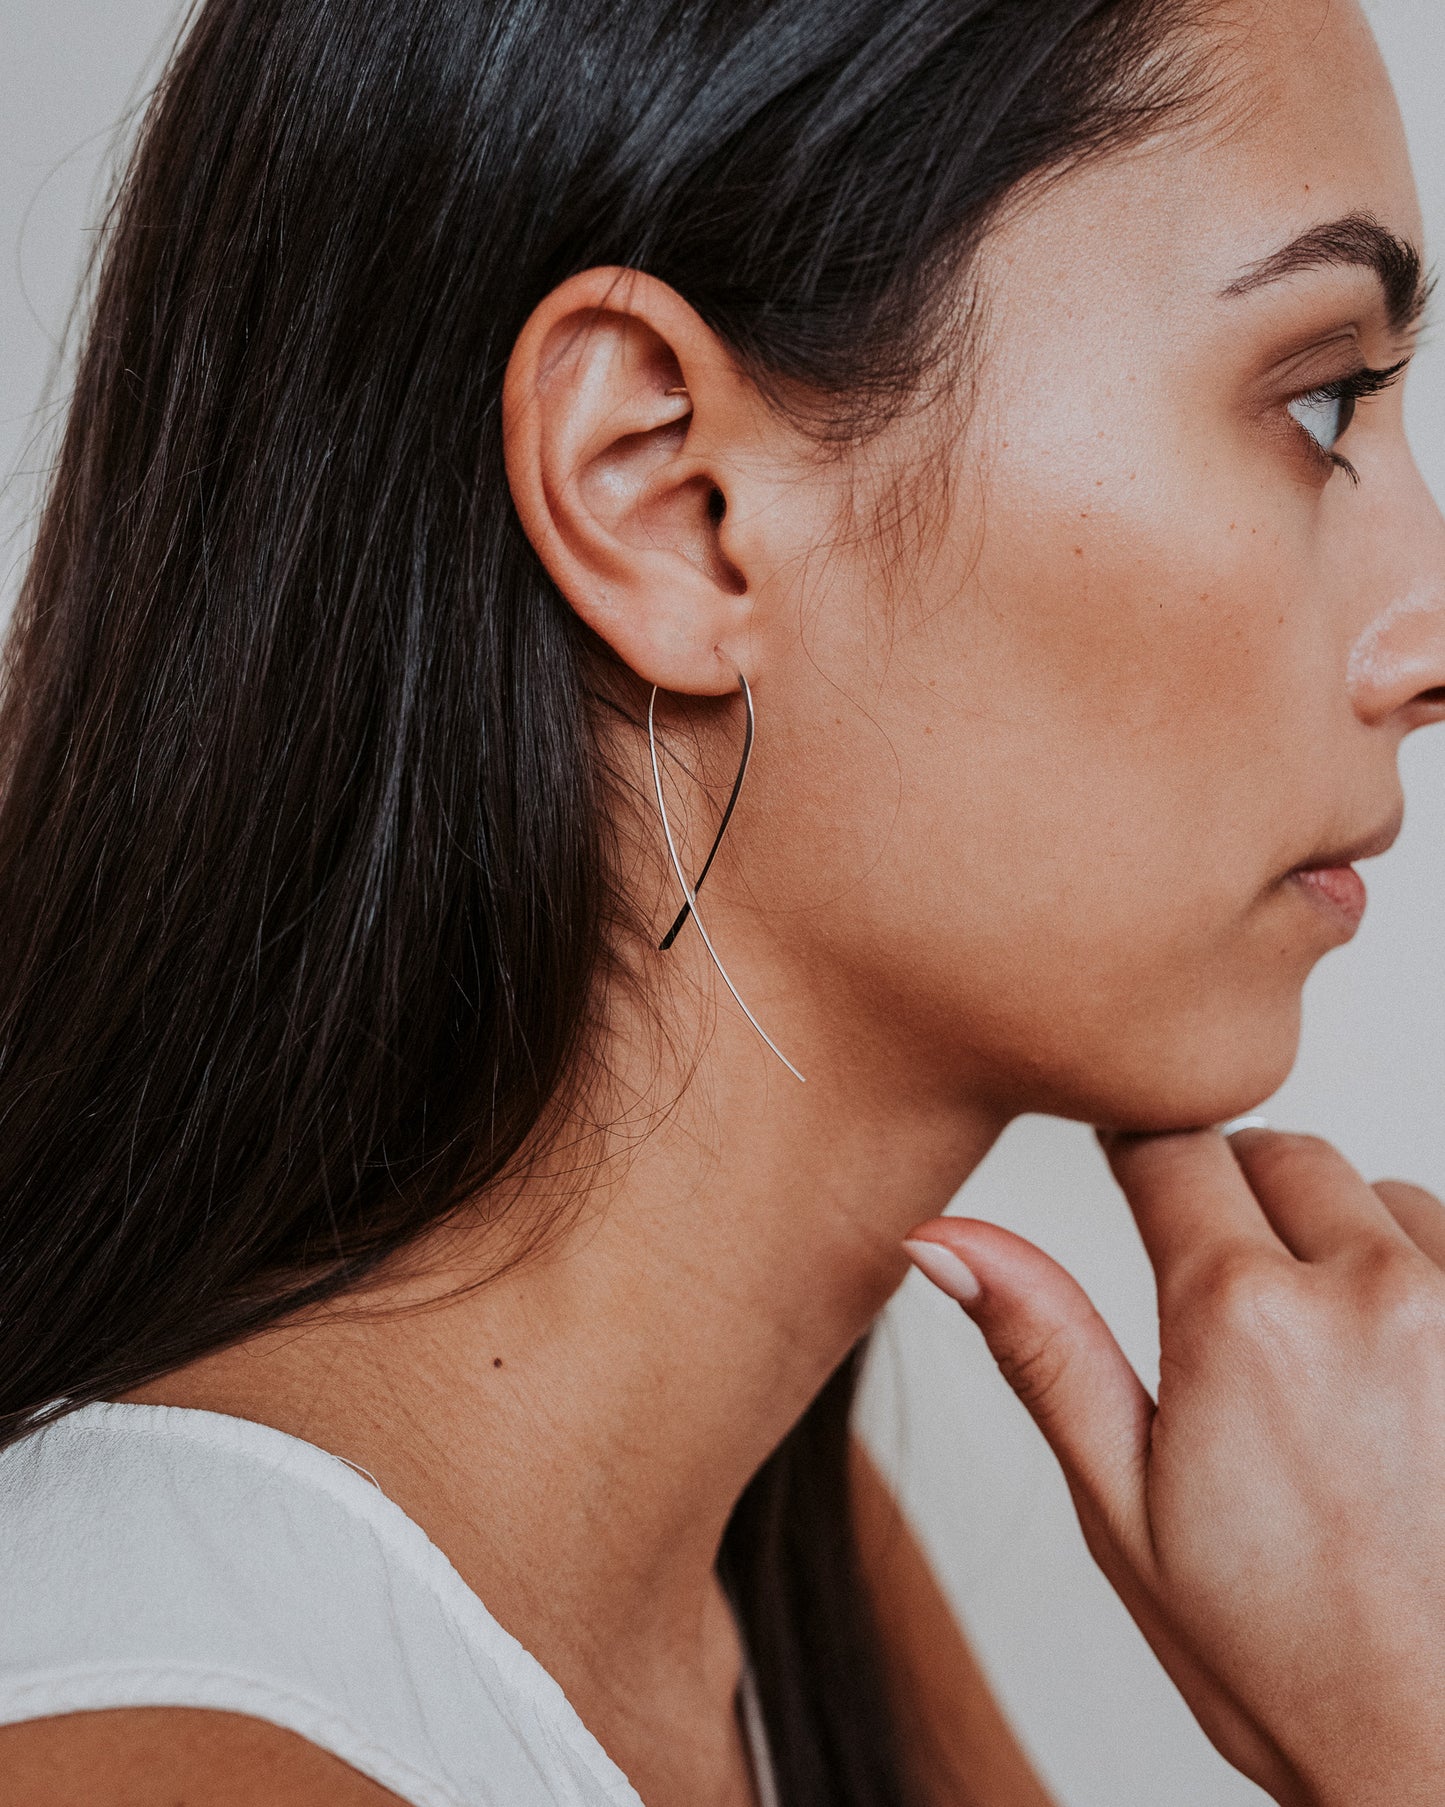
690	892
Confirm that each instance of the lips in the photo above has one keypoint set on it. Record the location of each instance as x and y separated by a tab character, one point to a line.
1339	887
1331	880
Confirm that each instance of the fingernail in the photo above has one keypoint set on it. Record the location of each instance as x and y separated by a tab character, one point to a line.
946	1270
1236	1124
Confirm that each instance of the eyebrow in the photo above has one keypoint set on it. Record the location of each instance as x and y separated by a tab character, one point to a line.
1358	240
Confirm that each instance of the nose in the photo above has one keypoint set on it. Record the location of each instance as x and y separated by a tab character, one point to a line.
1397	665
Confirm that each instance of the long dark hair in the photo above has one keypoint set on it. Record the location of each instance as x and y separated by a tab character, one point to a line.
305	885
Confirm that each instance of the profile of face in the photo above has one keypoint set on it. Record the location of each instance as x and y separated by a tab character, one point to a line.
1076	688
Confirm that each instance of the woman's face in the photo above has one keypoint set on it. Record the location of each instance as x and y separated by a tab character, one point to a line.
1037	826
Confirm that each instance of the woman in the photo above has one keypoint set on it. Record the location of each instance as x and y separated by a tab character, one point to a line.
493	415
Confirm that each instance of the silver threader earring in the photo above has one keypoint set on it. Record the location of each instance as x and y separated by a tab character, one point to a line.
690	892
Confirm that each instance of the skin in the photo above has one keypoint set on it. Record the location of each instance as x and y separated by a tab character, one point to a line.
1294	1598
1052	700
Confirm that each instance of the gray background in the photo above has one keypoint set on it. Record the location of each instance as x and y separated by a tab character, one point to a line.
1104	1724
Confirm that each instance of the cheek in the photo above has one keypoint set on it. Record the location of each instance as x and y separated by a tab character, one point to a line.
1153	667
1083	771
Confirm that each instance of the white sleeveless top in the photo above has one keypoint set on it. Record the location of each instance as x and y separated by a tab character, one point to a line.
156	1556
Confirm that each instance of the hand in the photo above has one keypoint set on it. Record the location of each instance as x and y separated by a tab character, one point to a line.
1276	1523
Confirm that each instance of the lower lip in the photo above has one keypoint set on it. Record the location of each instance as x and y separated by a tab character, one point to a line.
1338	889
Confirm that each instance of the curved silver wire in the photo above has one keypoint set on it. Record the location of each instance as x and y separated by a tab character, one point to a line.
681	919
688	892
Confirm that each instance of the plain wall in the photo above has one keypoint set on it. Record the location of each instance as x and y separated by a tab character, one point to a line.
1104	1723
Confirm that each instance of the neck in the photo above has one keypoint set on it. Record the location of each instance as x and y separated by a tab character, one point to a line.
575	1433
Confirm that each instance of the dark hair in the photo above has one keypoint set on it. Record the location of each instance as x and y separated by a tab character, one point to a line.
305	884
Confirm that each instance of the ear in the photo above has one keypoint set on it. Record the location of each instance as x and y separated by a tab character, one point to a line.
623	417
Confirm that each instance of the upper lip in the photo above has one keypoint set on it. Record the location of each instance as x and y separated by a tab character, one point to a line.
1366	848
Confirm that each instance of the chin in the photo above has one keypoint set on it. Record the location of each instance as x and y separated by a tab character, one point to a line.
1197	1075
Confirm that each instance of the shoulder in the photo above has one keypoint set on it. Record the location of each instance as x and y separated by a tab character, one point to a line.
186	1757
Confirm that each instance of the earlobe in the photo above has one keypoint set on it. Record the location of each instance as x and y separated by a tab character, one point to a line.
619	410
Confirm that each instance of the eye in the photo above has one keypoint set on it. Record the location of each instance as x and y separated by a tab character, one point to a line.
1325	415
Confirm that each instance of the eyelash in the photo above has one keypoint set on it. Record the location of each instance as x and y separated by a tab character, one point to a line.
1355	387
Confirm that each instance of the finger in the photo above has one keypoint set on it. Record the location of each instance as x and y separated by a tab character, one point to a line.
1316	1201
1061	1359
1419	1214
1189	1199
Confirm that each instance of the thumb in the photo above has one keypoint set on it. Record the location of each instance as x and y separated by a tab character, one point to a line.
1060	1358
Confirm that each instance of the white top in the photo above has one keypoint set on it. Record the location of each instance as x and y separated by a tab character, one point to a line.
155	1556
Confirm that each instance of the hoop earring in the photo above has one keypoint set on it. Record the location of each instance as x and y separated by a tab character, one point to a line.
690	892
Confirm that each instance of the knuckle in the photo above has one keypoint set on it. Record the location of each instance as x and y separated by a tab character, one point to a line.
1399	1291
1036	1369
1236	1286
1267	1310
1247	1301
1406	1192
1284	1151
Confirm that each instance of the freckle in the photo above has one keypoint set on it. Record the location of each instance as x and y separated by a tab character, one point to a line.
1078	552
1133	475
496	1361
1098	483
928	730
1205	597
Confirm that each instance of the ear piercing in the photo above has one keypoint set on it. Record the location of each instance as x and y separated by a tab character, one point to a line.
690	892
722	826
